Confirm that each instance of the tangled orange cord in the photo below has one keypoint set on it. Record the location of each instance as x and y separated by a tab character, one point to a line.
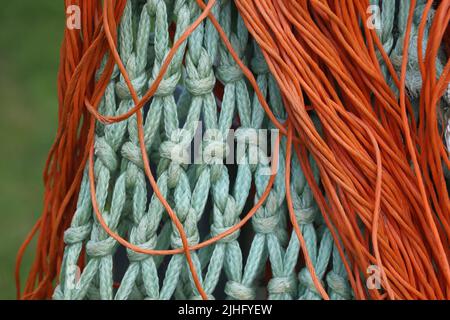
386	201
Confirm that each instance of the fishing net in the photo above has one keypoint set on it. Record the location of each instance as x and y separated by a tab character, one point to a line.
208	198
177	189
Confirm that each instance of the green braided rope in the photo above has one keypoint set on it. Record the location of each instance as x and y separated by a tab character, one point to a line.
184	98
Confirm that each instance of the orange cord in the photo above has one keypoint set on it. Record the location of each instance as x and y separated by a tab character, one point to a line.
315	47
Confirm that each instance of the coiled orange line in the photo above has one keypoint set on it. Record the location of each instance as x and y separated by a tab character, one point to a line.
318	53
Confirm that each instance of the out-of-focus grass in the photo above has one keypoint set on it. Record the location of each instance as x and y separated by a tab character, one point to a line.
30	36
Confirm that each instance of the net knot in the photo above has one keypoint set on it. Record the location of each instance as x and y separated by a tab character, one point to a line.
132	153
106	154
174	151
200	75
239	291
247	136
100	249
177	243
281	285
201	87
216	230
190	219
122	90
259	65
266	225
138	81
77	234
215	151
229	74
305	279
167	86
338	284
305	215
134	256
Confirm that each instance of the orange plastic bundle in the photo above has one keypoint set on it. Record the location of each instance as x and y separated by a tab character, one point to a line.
382	174
81	55
385	199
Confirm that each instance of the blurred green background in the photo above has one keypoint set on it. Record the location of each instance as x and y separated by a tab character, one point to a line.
30	36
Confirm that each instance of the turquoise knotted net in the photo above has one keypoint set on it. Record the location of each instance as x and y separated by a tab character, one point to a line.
203	95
